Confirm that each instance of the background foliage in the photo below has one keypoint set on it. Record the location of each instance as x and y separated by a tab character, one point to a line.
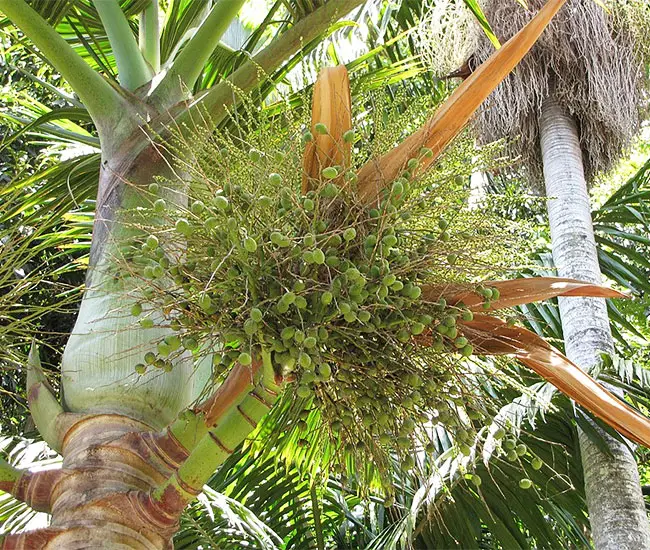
277	497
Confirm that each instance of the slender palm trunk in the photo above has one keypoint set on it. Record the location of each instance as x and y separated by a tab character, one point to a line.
616	507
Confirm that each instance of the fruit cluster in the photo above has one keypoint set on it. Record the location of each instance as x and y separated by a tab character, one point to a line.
331	288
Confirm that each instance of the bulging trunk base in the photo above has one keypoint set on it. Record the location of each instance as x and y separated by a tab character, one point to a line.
101	500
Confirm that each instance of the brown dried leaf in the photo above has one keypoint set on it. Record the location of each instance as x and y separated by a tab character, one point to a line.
491	336
520	291
331	105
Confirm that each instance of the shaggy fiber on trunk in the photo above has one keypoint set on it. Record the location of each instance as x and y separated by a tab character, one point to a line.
589	59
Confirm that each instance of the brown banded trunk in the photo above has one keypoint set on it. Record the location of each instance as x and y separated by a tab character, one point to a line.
100	497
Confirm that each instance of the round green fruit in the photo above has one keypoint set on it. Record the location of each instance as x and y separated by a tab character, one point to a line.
250	244
329	173
183	227
303	391
190	343
244	359
159	206
221	203
147	322
256	315
525	483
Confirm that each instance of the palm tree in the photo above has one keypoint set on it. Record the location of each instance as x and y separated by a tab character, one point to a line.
574	106
136	450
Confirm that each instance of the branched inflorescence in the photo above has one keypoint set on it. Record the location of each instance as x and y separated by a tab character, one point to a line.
332	288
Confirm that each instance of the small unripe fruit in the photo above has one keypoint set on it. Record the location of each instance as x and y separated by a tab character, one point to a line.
211	223
348	136
136	309
329	173
303	392
525	483
275	178
140	368
536	463
417	328
254	155
152	242
318	256
221	202
197	207
163	349
159	205
250	244
147	322
287	333
150	358
256	315
190	343
183	227
350	233
250	327
320	128
154	188
244	359
364	316
309	342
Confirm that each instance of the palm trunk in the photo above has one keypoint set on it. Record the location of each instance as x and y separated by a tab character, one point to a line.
616	507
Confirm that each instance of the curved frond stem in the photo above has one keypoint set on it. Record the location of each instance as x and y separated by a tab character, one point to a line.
149	37
102	101
187	67
8	476
32	488
132	69
216	100
230	430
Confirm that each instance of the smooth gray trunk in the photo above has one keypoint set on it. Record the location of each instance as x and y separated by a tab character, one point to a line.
616	507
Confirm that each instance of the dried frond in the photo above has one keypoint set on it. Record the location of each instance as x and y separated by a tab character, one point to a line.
590	61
